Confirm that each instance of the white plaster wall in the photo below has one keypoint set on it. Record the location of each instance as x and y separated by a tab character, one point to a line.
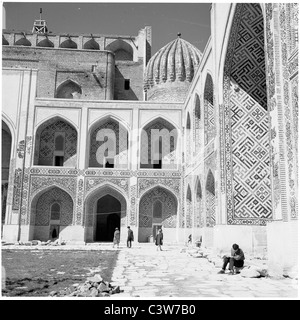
251	239
10	232
282	247
173	116
124	116
11	85
71	233
45	113
41	233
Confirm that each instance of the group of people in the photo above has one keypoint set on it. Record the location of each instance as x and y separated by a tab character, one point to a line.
116	240
130	238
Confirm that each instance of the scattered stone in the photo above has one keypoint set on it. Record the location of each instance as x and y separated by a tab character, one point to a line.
250	272
116	290
36	242
93	292
103	287
53	293
60	272
93	287
96	278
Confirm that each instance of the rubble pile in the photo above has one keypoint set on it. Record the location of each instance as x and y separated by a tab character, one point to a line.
93	287
56	242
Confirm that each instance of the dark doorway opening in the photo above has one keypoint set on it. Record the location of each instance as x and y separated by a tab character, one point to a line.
59	161
108	218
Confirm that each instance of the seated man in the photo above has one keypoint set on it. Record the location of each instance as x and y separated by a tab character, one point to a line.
235	260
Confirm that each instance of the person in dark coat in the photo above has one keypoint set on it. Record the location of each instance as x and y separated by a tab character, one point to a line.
236	259
130	237
159	239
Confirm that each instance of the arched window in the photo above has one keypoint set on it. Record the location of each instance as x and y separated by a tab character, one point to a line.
68	90
210	182
209	122
197	123
59	142
55	211
157	209
108	144
210	200
188	139
198	221
122	50
188	121
59	149
158	145
55	144
189	208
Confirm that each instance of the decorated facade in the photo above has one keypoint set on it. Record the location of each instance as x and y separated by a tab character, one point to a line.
227	164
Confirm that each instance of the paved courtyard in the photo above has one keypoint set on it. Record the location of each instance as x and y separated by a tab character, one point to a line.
145	272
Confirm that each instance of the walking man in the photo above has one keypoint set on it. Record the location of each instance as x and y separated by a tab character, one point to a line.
130	237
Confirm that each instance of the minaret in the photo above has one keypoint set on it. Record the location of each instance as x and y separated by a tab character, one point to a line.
40	26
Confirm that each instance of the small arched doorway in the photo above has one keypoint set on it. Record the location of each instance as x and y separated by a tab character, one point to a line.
108	217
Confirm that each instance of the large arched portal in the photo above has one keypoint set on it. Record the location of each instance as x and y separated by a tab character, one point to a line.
246	146
105	210
6	155
157	209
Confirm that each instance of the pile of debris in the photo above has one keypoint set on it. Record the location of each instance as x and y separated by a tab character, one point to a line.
57	242
93	287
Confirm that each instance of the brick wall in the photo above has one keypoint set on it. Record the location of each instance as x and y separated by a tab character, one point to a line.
132	71
58	65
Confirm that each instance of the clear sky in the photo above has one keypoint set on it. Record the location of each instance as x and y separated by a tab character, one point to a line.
191	19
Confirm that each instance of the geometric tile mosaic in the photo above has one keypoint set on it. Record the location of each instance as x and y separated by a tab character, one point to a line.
46	142
42	210
120	142
169	208
209	117
246	132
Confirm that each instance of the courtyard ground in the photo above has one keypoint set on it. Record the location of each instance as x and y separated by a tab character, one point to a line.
36	273
141	272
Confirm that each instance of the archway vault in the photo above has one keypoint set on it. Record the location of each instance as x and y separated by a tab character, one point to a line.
148	219
92	207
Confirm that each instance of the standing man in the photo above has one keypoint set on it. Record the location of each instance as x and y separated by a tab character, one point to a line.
116	239
159	240
129	237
